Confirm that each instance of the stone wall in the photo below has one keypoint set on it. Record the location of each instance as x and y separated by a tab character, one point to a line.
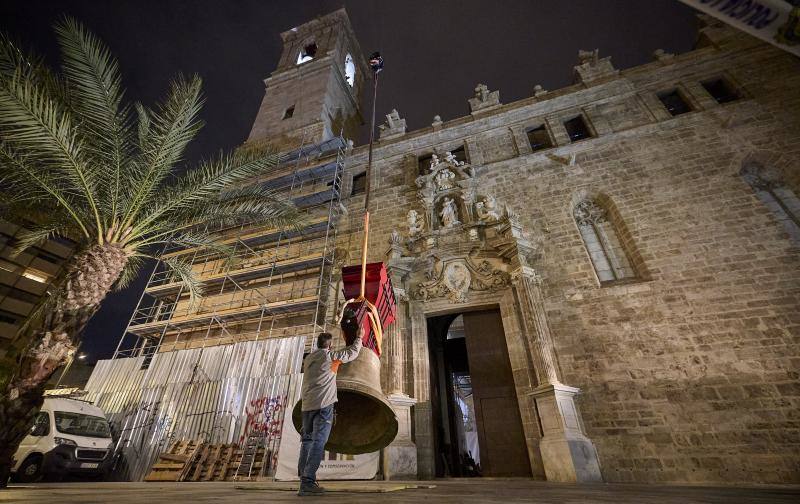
689	372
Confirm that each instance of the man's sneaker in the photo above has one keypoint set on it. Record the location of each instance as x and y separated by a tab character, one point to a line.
310	489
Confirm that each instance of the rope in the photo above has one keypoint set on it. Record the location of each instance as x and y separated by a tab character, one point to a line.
374	316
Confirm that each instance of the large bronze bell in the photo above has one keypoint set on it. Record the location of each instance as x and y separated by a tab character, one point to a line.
365	421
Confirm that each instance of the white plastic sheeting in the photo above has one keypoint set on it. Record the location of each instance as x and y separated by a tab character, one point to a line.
219	394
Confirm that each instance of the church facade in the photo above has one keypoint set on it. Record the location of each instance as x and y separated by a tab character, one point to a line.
634	251
612	268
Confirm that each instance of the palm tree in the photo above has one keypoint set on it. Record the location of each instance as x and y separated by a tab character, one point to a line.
82	163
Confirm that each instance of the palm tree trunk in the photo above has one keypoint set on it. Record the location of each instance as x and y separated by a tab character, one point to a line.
89	277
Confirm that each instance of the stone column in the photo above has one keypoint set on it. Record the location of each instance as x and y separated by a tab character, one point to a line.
420	365
528	293
397	339
567	454
400	457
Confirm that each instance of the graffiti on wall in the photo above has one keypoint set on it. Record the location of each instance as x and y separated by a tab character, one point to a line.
264	417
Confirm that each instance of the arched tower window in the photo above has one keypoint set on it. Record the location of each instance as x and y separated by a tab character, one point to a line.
771	189
307	53
602	241
349	70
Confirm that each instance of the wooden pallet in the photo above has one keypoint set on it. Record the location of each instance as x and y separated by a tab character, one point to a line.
251	458
196	461
216	463
177	462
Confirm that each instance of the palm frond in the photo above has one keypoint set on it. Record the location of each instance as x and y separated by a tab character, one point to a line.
14	59
199	239
40	127
36	235
182	269
130	272
205	184
143	124
95	83
250	204
169	130
31	186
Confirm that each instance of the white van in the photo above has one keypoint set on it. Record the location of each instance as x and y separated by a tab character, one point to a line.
67	436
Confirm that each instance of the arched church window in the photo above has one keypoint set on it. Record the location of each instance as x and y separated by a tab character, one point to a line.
349	70
773	192
307	53
602	241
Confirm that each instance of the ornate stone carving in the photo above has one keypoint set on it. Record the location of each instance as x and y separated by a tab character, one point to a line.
486	209
483	99
450	158
587	212
434	162
415	223
395	245
393	127
454	278
512	216
592	67
395	238
444	179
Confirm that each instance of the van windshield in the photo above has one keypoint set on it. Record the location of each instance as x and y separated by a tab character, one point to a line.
79	424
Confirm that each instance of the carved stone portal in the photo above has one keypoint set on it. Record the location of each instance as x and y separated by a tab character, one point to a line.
463	246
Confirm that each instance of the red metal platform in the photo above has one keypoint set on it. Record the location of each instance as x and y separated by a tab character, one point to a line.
378	290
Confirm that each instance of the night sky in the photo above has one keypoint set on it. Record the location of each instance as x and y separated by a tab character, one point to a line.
435	52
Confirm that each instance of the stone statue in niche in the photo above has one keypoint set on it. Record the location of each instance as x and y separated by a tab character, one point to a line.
449	213
487	209
450	158
444	180
415	223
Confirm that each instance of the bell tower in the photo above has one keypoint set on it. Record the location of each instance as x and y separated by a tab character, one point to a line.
314	93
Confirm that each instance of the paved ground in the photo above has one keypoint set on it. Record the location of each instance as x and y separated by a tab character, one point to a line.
444	491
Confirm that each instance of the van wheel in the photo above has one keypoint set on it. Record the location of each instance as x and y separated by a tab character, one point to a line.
30	470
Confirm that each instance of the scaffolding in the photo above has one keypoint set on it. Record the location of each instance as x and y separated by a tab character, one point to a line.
276	283
184	371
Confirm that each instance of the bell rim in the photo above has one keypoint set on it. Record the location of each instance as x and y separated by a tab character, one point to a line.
378	444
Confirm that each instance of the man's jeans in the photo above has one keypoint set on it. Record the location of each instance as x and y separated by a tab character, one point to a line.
314	434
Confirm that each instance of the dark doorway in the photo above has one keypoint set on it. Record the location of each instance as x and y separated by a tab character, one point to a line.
476	416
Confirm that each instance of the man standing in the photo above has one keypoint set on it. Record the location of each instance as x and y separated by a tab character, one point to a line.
318	399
